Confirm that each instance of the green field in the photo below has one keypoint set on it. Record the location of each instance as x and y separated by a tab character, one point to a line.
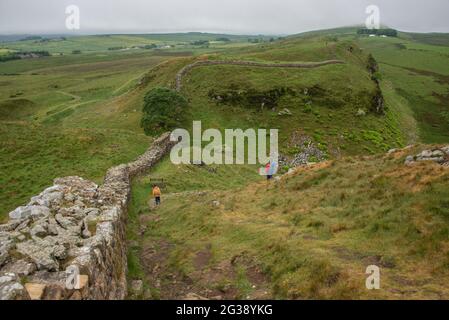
103	43
4	51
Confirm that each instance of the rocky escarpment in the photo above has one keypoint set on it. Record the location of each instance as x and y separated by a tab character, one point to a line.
73	225
378	101
180	75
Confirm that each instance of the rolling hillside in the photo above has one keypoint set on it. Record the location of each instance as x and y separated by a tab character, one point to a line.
222	231
333	104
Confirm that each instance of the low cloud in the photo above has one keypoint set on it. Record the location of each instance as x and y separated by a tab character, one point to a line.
230	16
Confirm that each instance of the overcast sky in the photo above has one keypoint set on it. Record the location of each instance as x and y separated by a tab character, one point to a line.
226	16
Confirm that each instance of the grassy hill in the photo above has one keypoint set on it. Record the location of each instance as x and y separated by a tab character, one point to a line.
309	236
332	103
419	74
414	71
222	234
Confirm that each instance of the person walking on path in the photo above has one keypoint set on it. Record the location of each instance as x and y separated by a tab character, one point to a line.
268	171
157	194
271	169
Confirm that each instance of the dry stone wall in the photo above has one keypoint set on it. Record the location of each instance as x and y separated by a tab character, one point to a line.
72	224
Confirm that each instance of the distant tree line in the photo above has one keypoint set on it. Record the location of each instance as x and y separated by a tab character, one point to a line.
23	55
223	39
200	43
31	38
257	40
150	46
38	39
116	48
147	46
379	32
8	57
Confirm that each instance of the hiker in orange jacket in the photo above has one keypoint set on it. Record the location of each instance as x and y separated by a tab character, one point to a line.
157	194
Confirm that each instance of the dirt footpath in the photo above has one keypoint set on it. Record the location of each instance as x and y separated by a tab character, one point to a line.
208	279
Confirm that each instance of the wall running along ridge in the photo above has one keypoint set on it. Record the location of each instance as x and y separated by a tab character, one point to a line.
73	223
189	67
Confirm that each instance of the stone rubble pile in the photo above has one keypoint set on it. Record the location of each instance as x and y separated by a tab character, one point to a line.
308	152
438	155
285	112
74	223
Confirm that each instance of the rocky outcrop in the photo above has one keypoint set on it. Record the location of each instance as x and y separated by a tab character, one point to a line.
73	225
438	155
180	75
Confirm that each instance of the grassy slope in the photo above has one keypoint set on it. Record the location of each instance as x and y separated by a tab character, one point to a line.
419	73
315	231
190	223
68	115
439	39
45	126
32	155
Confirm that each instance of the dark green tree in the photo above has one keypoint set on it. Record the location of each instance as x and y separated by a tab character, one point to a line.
163	109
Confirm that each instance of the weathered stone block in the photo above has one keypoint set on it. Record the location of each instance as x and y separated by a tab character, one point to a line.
35	290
